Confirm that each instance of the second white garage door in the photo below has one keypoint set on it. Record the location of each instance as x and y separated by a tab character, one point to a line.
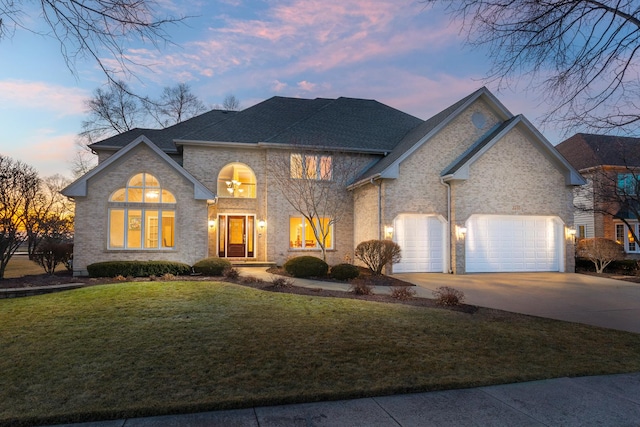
421	238
497	243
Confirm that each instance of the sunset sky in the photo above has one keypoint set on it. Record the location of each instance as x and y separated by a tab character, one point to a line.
400	53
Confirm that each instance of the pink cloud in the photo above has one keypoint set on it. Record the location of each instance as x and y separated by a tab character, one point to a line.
51	153
43	96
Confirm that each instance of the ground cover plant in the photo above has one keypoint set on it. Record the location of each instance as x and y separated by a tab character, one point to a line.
141	348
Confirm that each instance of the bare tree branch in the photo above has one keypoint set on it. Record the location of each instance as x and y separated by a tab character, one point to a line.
98	30
582	52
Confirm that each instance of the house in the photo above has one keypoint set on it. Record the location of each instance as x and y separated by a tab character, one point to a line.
472	189
608	205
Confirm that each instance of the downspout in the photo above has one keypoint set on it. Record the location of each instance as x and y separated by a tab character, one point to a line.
446	184
379	207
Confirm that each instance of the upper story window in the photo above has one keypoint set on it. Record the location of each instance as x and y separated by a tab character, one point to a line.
145	217
237	180
311	166
142	188
628	184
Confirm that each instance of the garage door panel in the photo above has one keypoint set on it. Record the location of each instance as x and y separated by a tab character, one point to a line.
512	243
421	240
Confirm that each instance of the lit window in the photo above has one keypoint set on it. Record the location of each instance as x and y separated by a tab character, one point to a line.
237	180
136	224
628	184
301	235
625	237
310	166
582	231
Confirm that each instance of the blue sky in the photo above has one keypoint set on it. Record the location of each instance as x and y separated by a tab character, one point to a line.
397	52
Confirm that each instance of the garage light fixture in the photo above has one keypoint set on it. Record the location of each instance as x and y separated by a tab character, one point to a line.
388	232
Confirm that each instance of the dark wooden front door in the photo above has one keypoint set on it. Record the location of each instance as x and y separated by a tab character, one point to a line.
237	236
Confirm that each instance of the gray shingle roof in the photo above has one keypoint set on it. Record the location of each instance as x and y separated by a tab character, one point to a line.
164	138
585	150
338	123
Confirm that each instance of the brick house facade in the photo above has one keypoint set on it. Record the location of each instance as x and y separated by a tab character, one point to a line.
473	188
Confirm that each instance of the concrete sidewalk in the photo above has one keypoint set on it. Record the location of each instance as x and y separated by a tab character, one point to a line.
612	400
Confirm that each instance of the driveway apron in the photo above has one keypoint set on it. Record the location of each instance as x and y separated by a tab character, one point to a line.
572	297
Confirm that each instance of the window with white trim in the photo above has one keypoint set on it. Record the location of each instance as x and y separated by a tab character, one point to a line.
237	180
142	215
311	166
301	234
625	237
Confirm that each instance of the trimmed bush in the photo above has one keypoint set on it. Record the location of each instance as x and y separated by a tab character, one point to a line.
137	268
402	293
306	266
378	253
344	272
448	297
600	251
211	266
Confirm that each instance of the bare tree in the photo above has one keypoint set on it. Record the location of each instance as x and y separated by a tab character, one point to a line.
115	109
19	185
50	214
613	191
582	52
112	111
231	103
314	182
94	29
176	104
601	252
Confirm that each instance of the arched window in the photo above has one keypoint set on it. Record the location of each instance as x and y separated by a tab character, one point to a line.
237	180
142	215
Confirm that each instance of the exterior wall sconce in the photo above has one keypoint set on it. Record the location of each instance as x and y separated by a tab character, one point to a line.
262	224
571	232
212	224
388	232
461	232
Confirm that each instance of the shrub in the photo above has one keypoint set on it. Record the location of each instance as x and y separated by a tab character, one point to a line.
361	288
402	292
251	279
211	266
448	296
137	268
600	251
344	272
50	253
281	282
306	266
378	253
231	273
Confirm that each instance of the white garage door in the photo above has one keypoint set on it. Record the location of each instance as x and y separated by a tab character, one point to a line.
513	243
421	238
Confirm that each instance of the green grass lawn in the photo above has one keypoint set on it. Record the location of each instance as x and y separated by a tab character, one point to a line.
134	349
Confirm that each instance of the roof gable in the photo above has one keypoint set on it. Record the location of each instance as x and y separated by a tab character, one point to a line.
388	167
78	188
459	169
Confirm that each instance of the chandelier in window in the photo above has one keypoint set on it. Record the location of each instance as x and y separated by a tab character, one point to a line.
233	187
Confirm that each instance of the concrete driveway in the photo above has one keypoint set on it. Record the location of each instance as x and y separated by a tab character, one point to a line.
565	296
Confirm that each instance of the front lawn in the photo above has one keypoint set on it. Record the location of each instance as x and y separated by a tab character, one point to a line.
146	348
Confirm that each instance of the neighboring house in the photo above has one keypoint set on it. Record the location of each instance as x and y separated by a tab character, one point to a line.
608	205
472	189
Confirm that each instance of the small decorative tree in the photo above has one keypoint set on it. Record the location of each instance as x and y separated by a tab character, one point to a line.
600	251
378	253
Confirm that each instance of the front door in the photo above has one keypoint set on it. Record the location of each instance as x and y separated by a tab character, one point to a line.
237	236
